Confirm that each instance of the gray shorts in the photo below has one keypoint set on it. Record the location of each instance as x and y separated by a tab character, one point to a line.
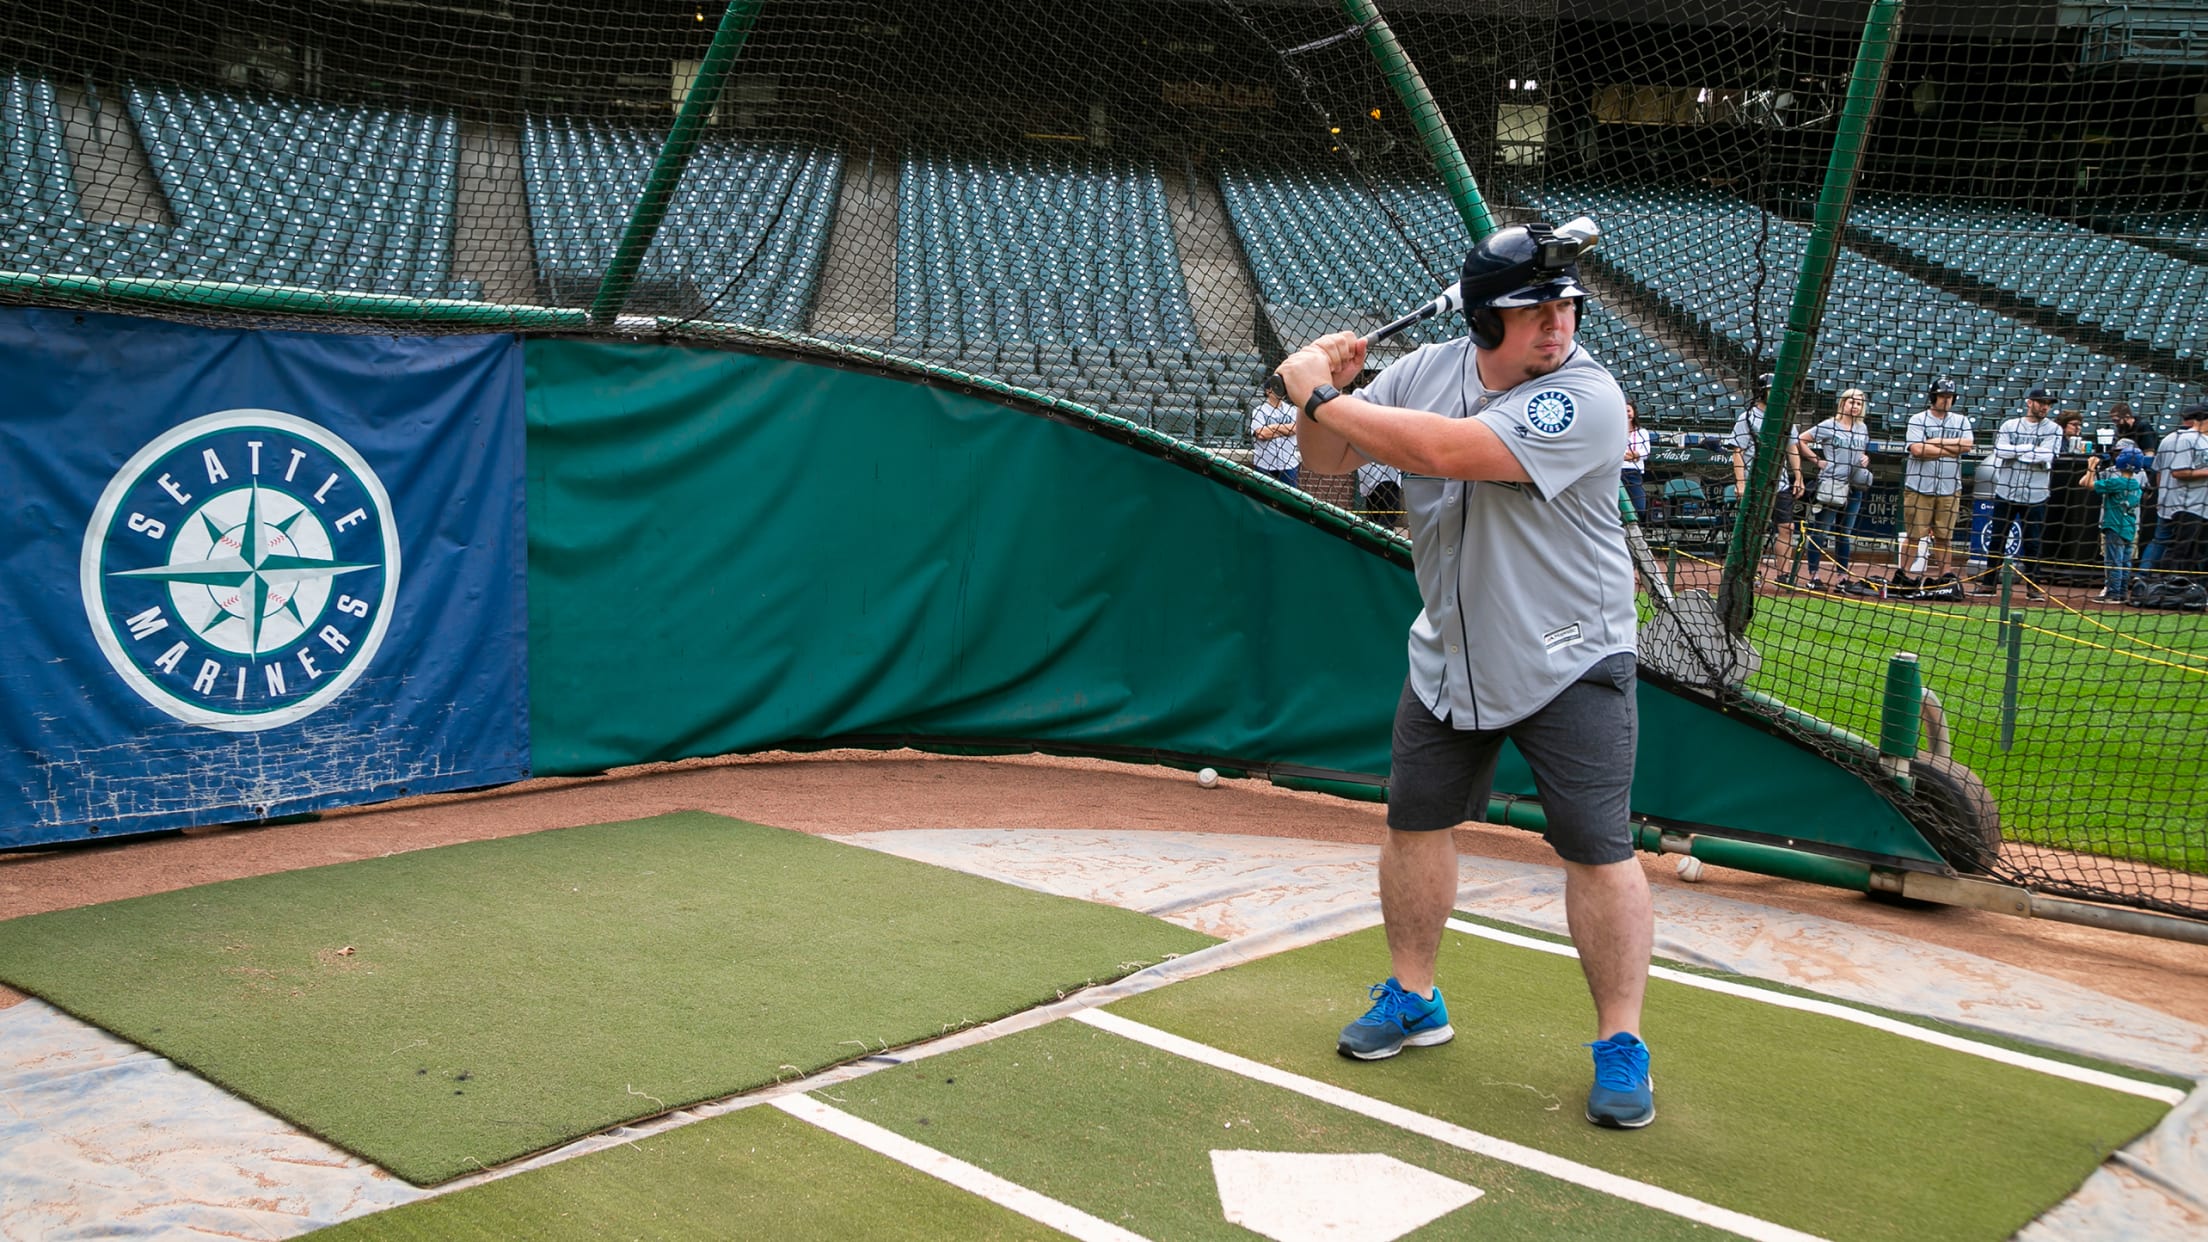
1580	747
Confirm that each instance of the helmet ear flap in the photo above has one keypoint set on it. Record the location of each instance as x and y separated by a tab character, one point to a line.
1487	327
1487	323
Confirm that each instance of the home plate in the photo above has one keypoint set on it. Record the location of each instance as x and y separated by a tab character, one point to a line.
1304	1197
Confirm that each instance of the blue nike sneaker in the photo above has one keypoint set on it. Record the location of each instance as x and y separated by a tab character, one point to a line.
1622	1097
1397	1018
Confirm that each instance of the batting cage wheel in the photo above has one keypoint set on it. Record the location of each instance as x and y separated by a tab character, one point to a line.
1965	826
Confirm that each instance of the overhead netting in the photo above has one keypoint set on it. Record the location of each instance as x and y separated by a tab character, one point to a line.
1138	208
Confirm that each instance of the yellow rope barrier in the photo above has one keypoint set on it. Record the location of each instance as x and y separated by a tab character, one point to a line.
1982	620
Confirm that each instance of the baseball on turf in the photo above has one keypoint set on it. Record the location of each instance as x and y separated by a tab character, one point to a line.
1207	778
1690	868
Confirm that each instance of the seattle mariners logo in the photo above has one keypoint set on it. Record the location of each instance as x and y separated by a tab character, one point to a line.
239	570
1551	412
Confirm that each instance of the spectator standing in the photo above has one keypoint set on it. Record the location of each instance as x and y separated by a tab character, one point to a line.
2130	426
2119	492
2172	448
1745	430
2186	500
2072	423
2024	456
1932	482
2079	511
1380	494
1635	469
1273	427
1838	448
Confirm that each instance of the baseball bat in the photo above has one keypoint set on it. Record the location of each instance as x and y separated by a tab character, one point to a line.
1450	300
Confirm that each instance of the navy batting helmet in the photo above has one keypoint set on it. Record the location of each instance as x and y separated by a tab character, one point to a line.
1763	384
1524	265
1940	387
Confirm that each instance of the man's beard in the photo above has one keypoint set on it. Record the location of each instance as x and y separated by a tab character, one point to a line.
1535	368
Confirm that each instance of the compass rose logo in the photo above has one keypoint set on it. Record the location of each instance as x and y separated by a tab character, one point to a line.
238	570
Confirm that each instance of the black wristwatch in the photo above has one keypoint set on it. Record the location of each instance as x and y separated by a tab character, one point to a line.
1319	396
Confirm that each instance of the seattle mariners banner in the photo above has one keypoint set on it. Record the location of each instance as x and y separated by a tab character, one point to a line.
248	574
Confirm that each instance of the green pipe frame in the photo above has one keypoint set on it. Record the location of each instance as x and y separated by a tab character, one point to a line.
1874	56
214	295
1754	856
1901	711
1426	114
674	156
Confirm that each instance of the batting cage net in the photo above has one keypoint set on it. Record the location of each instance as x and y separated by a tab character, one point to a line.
2001	211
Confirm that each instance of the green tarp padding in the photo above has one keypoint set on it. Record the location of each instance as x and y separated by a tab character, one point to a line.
729	552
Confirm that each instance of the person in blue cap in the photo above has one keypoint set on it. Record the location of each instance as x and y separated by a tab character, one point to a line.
2119	491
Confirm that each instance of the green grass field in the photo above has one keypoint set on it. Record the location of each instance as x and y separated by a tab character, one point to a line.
2107	742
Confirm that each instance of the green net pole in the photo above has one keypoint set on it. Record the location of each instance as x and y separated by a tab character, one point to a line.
1873	57
1426	114
674	156
2012	673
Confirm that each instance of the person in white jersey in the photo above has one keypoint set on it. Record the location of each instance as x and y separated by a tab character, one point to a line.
2024	465
1273	428
2186	498
1932	485
1838	449
1508	440
1747	431
1633	470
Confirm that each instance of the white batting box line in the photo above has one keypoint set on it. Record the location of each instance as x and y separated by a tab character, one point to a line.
972	1179
1655	1197
1939	1039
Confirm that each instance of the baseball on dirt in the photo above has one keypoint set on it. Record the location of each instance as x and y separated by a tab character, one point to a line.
1690	868
1208	778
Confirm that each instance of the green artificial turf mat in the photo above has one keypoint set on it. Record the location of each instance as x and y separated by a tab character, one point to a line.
1124	1132
758	1173
2176	1082
447	1010
1804	1120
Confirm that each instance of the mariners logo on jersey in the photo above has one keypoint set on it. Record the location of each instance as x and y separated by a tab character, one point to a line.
239	571
1551	412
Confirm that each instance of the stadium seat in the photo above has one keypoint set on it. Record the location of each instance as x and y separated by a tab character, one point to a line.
1685	506
1037	229
1325	248
290	193
2143	296
36	188
745	229
1695	253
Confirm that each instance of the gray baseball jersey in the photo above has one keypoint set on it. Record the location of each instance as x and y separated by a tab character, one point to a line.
1937	476
1745	430
1525	585
1841	449
2026	453
2184	450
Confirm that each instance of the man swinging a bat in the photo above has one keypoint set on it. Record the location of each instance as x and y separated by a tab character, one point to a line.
1507	439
